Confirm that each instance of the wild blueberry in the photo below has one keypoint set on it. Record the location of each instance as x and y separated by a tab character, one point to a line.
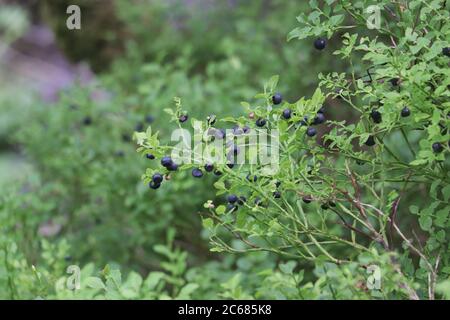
376	116
217	173
395	81
166	161
87	121
320	43
197	173
232	198
286	114
242	200
311	132
446	51
153	185
324	206
183	118
139	127
246	129
209	167
252	179
261	122
405	112
321	110
149	119
437	147
277	184
370	142
231	207
120	153
172	167
277	98
157	178
150	156
277	194
230	165
126	137
307	199
319	119
332	204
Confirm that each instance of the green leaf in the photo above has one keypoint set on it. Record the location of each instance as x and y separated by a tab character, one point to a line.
95	283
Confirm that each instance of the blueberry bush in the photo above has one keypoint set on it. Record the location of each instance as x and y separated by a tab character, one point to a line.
356	208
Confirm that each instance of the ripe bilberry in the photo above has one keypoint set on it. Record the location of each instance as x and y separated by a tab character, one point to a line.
166	161
376	116
370	142
286	114
437	147
277	98
197	173
261	122
446	51
320	43
153	185
405	112
311	132
209	167
319	119
157	178
232	198
150	156
307	199
183	118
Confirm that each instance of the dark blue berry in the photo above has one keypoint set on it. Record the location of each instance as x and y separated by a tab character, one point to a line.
183	118
311	132
87	121
324	206
437	147
209	167
154	185
319	119
157	178
320	43
307	199
277	98
150	156
321	110
232	198
230	165
172	167
287	114
231	207
197	173
246	129
126	137
376	116
149	119
370	142
166	161
261	122
446	51
242	200
395	81
405	112
139	127
217	173
277	194
252	178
